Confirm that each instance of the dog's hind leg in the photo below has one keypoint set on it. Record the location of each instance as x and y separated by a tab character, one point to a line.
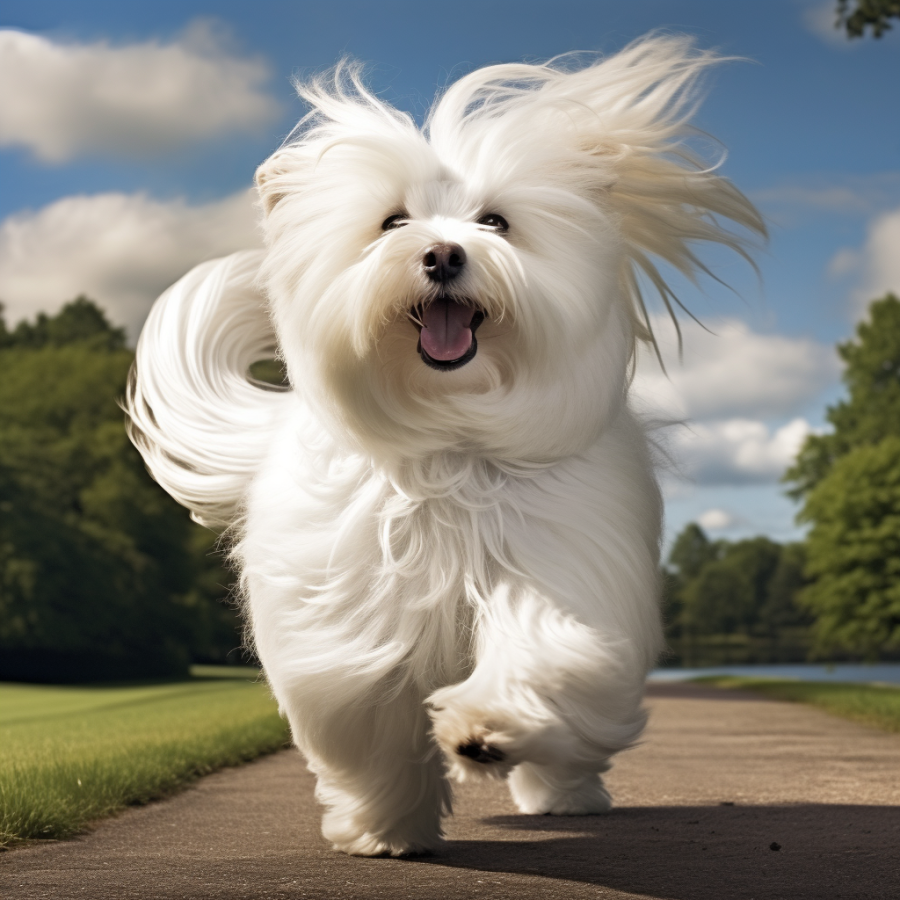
559	790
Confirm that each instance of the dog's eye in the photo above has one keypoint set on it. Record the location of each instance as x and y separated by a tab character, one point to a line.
494	220
398	220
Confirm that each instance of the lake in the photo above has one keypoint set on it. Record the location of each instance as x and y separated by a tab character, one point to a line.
883	673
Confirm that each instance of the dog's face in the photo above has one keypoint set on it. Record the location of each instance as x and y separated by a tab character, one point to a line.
468	287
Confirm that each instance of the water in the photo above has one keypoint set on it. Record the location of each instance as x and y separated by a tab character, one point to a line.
878	673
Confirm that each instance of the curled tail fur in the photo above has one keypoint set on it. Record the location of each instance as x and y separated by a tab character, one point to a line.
198	418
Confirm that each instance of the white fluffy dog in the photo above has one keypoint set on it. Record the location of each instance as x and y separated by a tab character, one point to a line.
448	527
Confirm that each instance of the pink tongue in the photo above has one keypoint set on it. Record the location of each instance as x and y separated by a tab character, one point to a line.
446	332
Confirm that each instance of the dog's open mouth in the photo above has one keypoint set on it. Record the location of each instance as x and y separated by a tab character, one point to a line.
446	332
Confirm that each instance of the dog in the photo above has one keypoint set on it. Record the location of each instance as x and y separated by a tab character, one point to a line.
447	525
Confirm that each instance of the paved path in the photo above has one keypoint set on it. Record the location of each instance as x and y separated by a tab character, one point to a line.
718	780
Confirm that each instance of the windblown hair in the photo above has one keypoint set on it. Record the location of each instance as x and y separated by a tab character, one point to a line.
607	144
453	542
200	421
616	131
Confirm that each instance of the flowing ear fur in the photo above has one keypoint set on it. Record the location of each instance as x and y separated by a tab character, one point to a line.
270	181
342	110
619	130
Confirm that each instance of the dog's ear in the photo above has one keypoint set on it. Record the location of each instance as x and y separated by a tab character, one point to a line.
270	181
618	131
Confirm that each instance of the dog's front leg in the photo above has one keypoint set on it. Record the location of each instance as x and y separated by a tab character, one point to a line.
380	777
549	701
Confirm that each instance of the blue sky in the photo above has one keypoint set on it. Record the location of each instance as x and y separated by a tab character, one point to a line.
809	122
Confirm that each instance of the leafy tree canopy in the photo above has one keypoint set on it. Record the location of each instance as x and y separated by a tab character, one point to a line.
79	321
849	480
873	14
691	551
96	561
872	410
854	551
745	587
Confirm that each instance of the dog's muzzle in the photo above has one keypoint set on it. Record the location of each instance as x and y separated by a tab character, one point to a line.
446	333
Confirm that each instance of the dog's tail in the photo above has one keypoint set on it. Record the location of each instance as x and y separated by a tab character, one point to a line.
199	419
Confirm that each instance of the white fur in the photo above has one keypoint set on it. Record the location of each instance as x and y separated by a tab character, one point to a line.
435	560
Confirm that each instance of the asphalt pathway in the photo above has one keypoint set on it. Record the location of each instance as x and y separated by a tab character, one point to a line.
730	797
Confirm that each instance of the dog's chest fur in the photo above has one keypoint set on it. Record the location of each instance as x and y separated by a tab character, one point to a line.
394	566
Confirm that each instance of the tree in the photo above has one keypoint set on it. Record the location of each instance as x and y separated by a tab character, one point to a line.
872	410
783	608
691	551
846	480
854	551
100	570
724	588
729	592
874	14
81	320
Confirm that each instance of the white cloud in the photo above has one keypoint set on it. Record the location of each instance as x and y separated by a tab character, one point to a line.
754	509
845	262
820	19
733	372
737	451
880	259
715	520
121	250
842	194
734	391
875	265
61	100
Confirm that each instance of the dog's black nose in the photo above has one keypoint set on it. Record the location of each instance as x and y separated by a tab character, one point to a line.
444	261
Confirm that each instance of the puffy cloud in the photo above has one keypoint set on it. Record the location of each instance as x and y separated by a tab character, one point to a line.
820	19
844	195
736	451
733	392
733	372
121	250
753	509
877	264
65	99
715	520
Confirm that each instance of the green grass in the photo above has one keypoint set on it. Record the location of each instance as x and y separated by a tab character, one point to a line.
69	755
869	704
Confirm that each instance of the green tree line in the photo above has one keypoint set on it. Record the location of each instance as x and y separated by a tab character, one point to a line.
734	602
836	595
848	481
102	575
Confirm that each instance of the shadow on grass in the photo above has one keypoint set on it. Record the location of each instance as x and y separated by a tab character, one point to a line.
802	852
196	674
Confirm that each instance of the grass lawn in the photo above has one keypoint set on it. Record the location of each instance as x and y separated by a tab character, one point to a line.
72	754
867	703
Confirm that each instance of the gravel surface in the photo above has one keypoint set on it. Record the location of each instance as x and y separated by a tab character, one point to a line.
729	796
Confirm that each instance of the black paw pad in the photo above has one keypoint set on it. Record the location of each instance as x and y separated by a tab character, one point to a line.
480	752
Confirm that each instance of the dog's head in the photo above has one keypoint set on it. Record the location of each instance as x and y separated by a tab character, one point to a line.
474	285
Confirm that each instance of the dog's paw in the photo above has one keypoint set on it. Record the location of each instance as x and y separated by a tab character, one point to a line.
479	751
475	745
355	837
485	753
544	790
372	846
395	842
